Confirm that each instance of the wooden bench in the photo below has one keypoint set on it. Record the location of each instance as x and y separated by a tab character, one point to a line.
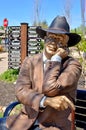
80	112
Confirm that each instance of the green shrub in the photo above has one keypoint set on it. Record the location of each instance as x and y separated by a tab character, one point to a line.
1	114
10	75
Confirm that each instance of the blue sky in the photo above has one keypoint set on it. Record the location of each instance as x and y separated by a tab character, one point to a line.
19	11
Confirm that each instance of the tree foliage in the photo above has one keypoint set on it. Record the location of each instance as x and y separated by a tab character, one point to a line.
82	44
42	24
1	28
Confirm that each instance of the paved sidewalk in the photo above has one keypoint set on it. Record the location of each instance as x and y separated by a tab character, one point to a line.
3	62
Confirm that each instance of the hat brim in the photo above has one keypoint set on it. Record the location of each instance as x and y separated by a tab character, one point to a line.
73	37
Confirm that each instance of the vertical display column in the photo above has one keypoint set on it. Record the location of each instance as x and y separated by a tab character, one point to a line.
24	40
34	46
14	37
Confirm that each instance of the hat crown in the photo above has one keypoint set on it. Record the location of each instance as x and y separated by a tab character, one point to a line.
60	22
60	26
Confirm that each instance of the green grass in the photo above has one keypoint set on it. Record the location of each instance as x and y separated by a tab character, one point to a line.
10	75
1	114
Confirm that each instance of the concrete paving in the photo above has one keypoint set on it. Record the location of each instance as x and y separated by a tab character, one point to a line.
3	62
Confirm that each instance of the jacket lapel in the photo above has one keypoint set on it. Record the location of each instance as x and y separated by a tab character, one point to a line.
39	73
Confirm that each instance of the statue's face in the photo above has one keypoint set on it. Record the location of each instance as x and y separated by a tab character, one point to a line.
53	42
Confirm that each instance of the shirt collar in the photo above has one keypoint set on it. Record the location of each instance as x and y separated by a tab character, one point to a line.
44	58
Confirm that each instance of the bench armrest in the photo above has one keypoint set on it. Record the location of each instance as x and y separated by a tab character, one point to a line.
10	108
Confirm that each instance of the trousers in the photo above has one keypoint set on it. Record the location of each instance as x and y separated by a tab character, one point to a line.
35	126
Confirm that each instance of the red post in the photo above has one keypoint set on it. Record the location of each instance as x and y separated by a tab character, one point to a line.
5	23
24	41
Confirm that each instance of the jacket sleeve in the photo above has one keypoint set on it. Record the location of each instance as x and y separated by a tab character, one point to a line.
24	92
56	83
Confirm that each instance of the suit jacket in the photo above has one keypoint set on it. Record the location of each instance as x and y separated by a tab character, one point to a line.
34	82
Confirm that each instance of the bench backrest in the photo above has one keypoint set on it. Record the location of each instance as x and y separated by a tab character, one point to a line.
80	112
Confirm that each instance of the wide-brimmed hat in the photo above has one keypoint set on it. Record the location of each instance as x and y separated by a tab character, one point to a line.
59	26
